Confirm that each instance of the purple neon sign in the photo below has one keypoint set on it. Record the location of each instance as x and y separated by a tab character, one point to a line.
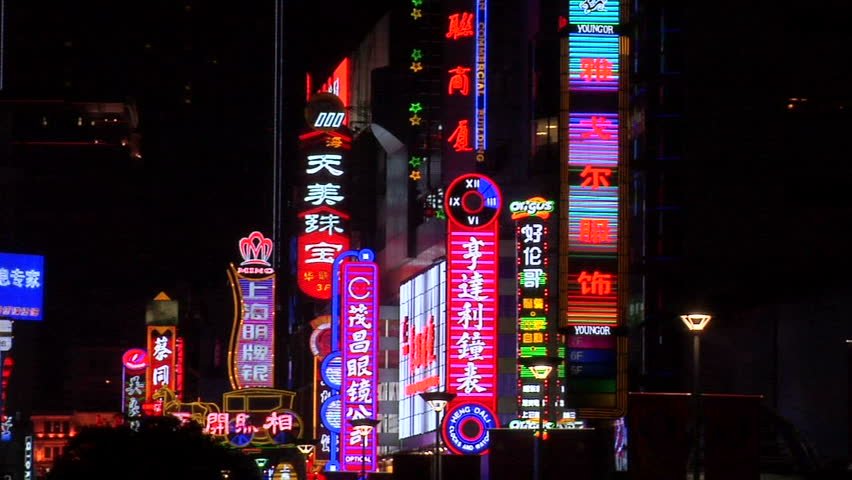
359	337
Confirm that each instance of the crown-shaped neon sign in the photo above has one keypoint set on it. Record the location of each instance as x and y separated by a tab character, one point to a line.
256	249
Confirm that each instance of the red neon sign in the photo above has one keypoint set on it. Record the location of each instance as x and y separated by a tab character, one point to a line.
472	202
461	25
460	81
461	137
161	355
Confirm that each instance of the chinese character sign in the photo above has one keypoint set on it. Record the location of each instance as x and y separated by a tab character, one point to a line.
472	295
534	324
161	359
592	171
134	362
252	339
323	224
463	83
359	334
21	286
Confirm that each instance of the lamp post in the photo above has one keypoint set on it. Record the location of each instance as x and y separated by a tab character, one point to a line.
364	427
306	447
438	402
696	322
540	367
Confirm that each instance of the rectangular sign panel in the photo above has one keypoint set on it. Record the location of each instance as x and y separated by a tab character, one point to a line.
161	359
359	315
423	347
591	293
21	286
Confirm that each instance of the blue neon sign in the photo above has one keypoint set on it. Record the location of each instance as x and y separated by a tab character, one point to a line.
21	286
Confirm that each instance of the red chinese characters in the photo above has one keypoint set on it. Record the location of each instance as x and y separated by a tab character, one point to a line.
596	69
594	231
461	25
595	284
460	81
460	137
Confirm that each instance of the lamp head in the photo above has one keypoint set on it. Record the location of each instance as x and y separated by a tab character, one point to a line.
541	367
306	446
364	426
438	400
696	322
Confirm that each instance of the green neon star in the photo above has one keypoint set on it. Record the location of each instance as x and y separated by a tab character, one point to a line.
415	108
415	162
416	54
417	3
440	214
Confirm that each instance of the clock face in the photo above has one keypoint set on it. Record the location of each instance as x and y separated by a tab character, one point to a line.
325	112
473	201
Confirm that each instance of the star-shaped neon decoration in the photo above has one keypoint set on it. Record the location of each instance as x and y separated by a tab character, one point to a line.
416	54
417	3
440	214
415	108
416	13
415	175
415	120
415	162
416	67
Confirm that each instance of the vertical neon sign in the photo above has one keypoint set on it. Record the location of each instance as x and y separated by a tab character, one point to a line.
323	231
593	180
359	329
464	111
251	353
161	359
134	362
535	327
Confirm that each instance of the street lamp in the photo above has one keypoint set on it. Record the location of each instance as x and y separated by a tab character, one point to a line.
364	427
306	447
438	402
540	367
696	323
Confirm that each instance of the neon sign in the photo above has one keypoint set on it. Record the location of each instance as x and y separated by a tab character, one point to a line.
21	286
323	223
359	328
423	347
161	358
472	203
464	83
592	173
133	393
535	326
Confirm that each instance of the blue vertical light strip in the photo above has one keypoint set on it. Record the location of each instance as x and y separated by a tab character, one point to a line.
2	41
335	343
481	101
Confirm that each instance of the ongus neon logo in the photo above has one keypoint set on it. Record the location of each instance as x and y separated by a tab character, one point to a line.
135	359
256	249
534	207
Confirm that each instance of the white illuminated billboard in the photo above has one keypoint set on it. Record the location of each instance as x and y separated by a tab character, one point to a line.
422	334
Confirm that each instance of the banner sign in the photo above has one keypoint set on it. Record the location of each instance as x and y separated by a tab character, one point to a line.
359	333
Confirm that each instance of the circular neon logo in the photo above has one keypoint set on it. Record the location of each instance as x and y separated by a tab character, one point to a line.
465	428
135	359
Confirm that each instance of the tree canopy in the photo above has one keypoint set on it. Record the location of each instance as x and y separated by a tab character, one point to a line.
162	449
